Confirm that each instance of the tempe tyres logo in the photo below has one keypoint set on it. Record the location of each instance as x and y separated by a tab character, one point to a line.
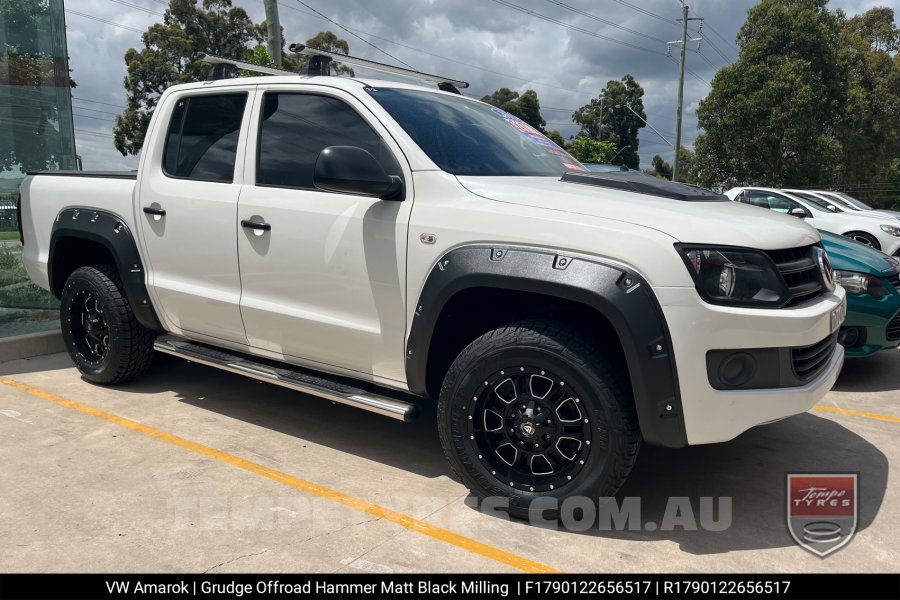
822	511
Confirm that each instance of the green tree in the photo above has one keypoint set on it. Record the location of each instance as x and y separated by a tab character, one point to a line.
171	55
324	40
28	69
589	150
769	116
687	167
661	168
556	137
868	129
525	106
608	118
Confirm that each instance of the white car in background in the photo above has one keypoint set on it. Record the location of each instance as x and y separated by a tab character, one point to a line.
881	234
845	203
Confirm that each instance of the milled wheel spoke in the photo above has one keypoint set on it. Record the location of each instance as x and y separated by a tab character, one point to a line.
529	428
541	465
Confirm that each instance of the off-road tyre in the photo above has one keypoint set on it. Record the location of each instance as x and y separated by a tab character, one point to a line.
587	383
104	339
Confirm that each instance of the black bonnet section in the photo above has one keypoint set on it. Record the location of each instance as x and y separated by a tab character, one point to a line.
645	184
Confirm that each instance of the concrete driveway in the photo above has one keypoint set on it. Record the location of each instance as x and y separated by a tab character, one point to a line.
193	469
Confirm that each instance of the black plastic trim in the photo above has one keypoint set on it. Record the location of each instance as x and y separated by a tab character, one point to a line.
623	297
640	183
101	174
773	368
112	232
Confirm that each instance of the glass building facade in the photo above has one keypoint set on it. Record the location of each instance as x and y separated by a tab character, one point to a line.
36	133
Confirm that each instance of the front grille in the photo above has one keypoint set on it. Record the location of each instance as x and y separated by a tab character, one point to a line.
800	270
809	361
895	281
892	333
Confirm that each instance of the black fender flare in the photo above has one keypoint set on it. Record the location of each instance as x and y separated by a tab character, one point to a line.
110	231
619	294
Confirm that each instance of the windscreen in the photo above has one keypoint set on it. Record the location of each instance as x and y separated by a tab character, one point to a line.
854	201
465	137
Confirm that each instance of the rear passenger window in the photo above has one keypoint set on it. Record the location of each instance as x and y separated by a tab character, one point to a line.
203	137
295	128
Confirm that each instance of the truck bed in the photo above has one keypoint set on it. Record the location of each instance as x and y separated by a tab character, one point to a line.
45	194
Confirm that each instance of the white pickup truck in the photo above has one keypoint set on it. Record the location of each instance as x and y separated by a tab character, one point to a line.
369	241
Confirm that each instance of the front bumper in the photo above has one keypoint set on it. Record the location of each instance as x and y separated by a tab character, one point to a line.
872	318
696	327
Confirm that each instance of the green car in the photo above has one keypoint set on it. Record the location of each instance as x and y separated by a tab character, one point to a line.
872	281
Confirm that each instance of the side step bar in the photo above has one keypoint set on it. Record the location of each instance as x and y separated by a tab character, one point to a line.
286	376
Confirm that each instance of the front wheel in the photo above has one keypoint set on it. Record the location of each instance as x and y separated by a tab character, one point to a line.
101	333
864	238
534	410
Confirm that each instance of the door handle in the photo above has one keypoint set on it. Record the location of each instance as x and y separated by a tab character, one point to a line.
159	212
259	226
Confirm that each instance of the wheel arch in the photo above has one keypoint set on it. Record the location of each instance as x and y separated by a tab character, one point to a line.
608	298
85	236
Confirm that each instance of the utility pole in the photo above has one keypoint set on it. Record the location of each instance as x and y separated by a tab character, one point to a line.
273	31
683	41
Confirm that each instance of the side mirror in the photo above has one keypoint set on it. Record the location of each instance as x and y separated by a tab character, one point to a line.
833	208
352	170
797	212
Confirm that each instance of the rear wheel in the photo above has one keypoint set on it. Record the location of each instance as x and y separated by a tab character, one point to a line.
533	410
864	238
104	339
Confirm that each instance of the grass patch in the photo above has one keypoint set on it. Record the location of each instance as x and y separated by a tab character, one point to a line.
16	289
9	235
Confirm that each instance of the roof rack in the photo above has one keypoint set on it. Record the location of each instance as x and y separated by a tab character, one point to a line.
320	59
226	67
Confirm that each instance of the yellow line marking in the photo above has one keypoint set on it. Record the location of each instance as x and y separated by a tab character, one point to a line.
443	535
858	413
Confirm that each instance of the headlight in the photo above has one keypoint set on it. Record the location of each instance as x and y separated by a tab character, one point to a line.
894	231
861	283
734	276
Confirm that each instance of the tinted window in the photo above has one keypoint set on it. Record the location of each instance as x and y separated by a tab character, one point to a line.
465	137
203	137
297	127
771	201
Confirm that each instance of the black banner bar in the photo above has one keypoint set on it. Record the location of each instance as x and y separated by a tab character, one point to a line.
450	587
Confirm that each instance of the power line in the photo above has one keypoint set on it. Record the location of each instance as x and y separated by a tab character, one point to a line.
92	17
97	102
647	12
106	119
709	62
354	35
147	10
691	73
88	132
448	59
528	11
606	21
728	44
105	112
709	43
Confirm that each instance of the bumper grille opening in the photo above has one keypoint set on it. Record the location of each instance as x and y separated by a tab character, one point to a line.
800	271
892	332
810	361
895	281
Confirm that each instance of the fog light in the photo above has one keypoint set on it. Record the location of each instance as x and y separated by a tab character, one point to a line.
737	369
850	337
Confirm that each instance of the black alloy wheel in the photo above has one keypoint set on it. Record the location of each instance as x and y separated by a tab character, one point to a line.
528	428
537	410
90	331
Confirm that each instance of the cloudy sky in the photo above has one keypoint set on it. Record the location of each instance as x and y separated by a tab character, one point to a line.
565	50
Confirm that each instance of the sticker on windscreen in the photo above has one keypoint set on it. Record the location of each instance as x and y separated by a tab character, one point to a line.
530	133
572	167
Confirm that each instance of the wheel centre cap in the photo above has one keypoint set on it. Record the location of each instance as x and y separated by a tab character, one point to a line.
527	428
